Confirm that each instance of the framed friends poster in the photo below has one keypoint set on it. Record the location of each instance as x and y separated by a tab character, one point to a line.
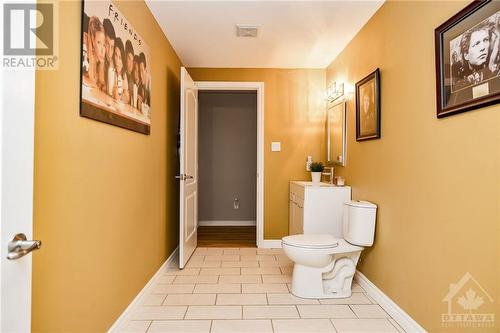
115	69
468	59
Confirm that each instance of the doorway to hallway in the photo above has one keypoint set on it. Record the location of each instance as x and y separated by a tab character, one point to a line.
227	168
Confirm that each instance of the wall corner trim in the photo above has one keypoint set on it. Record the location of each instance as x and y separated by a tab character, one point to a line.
399	315
172	261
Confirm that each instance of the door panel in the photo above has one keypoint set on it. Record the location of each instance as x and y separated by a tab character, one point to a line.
17	117
188	169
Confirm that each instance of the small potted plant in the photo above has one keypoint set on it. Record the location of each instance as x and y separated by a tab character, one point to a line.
316	170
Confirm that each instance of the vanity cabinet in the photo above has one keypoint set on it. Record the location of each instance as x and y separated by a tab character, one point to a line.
317	208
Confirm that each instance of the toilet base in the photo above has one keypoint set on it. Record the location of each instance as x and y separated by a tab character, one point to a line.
332	281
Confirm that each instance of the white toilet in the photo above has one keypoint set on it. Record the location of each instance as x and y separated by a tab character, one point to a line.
325	265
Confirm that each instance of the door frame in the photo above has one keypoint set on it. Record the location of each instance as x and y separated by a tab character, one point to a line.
259	88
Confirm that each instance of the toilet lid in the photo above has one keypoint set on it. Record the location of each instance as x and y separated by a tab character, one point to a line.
317	241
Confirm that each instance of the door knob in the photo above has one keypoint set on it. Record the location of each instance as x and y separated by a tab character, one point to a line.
19	246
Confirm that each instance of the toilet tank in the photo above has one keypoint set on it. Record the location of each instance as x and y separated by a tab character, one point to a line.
359	222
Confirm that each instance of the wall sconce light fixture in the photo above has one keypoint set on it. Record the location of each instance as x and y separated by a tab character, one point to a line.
334	91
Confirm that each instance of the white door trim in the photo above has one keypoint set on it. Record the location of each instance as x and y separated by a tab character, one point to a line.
259	88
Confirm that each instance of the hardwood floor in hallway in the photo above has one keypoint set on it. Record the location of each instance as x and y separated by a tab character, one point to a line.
209	236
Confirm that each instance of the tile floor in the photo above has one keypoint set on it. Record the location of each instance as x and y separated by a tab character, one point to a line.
247	290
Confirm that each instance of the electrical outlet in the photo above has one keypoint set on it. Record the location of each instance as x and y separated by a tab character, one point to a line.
236	203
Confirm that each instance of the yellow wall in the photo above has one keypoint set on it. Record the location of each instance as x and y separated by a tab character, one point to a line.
294	115
105	198
436	181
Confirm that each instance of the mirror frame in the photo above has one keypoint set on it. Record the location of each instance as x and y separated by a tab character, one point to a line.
342	102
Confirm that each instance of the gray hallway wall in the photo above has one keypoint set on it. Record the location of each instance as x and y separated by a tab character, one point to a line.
227	155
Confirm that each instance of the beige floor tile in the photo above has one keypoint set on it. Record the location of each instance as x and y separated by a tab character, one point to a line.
240	279
395	324
167	279
370	298
289	299
152	299
325	311
363	325
356	298
230	251
190	299
180	326
220	271
185	271
197	258
186	279
158	312
270	251
270	312
302	326
241	299
276	278
226	288
286	270
369	311
214	312
263	288
248	251
356	288
172	289
223	257
208	251
268	263
282	257
256	271
240	264
242	326
201	264
134	326
259	257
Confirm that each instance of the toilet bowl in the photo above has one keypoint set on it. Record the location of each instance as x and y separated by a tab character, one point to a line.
324	265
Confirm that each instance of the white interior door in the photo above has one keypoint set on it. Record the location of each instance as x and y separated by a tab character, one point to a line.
17	100
188	168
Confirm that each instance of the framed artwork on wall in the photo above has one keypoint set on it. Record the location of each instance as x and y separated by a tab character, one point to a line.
115	81
368	107
468	59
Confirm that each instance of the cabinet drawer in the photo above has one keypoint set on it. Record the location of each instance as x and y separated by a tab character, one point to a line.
297	190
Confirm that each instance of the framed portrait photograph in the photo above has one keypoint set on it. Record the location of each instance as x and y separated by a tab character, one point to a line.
115	66
368	107
468	59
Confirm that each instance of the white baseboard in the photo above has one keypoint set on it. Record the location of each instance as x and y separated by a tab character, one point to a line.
399	315
270	244
224	223
172	261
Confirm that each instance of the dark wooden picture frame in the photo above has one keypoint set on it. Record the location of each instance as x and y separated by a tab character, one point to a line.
101	103
465	80
368	107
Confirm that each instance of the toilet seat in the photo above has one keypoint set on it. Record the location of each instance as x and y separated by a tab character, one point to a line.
320	242
311	241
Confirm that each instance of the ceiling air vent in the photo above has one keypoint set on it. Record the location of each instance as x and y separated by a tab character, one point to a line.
245	30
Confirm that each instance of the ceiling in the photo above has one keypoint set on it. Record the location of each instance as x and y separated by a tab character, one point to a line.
292	34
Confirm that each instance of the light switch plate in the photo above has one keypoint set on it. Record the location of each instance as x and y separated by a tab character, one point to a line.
275	146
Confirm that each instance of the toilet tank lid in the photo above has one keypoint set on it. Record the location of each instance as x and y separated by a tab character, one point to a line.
361	203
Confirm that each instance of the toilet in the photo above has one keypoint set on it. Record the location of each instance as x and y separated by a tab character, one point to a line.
324	265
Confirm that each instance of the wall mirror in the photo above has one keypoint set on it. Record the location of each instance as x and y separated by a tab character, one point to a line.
336	133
